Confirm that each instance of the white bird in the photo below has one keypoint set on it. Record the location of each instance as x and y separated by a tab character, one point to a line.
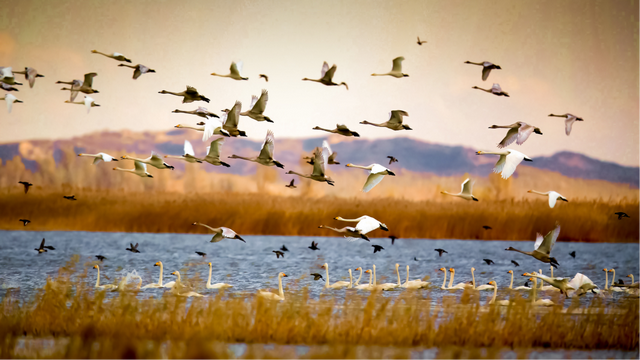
139	70
465	192
7	77
234	72
178	287
337	284
495	90
221	233
518	132
365	224
102	287
77	86
159	284
368	286
560	283
328	155
216	285
231	119
481	287
539	302
511	283
88	101
414	284
209	128
115	56
359	278
458	286
100	157
543	247
10	99
553	196
568	122
326	76
444	281
257	107
507	162
340	129
547	287
394	122
30	74
386	286
318	173
486	68
266	153
188	156
271	296
153	160
492	284
139	169
396	70
376	173
582	284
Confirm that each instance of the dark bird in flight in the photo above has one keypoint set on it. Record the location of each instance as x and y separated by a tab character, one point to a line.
278	254
25	221
440	251
489	261
573	254
133	249
284	248
265	77
43	248
421	42
486	227
317	276
415	259
377	248
101	258
393	239
201	253
27	184
291	184
72	197
619	213
620	282
515	263
314	246
392	159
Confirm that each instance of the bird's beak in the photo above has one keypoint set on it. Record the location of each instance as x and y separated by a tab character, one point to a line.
391	173
284	275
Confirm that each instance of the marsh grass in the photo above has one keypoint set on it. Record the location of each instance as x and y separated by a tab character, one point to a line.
258	214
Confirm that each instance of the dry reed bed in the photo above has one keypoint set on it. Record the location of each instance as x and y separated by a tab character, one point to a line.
274	215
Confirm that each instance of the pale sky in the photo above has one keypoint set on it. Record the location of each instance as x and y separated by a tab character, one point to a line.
556	57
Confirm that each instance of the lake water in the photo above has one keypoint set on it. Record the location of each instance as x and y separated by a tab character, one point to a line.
252	265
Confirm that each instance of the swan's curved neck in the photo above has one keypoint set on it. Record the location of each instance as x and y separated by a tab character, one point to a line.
121	169
533	289
541	282
632	281
511	284
495	292
160	279
350	220
360	166
98	279
398	273
360	277
538	192
209	281
407	281
445	280
326	269
370	277
451	280
280	287
375	282
473	279
551	267
350	280
613	278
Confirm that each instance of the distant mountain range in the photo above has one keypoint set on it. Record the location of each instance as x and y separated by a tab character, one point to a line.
413	155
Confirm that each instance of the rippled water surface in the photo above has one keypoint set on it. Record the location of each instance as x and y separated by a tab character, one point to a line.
252	265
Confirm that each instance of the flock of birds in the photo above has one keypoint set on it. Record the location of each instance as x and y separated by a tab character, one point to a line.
226	125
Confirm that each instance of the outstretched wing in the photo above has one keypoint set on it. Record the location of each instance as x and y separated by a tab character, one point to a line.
511	162
568	123
88	79
140	166
188	148
318	162
397	63
524	132
267	147
372	181
395	117
235	68
325	68
467	187
342	127
210	126
214	150
233	117
261	104
326	151
495	88
500	164
512	135
328	76
191	90
549	240
228	233
485	73
367	224
42	244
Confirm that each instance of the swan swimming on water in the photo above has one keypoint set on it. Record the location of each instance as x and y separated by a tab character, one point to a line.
271	296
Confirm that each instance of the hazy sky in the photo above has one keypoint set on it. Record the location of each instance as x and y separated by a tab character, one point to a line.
556	57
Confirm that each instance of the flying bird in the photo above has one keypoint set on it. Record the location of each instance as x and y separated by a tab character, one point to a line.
394	122
486	68
257	107
392	159
278	254
314	246
78	86
7	77
316	276
188	96
234	72
231	120
25	221
377	248
440	251
202	112
10	99
100	157
465	192
495	90
515	263
266	153
553	196
376	173
488	261
139	169
138	70
7	87
30	74
396	70
88	102
101	258
201	253
283	248
318	173
153	160
572	254
326	76
568	122
421	42
518	132
328	155
543	247
487	227
72	197
27	185
340	129
619	213
115	56
291	184
265	77
43	248
133	248
221	233
508	161
393	239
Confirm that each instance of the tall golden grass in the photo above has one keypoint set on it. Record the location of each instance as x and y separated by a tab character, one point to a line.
125	326
109	210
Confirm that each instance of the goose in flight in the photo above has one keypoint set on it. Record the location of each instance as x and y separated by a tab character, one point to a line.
328	154
619	213
115	56
7	77
88	102
210	127
77	86
139	169
188	96
518	132
271	296
495	90
543	247
486	68
133	248
100	157
213	153
266	154
43	248
465	192
396	70
153	160
234	72
30	74
139	70
350	233
340	129
25	221
316	276
394	122
231	119
553	196
421	42
318	173
7	87
26	185
221	233
189	154
10	99
376	173
326	76
515	263
283	248
568	122
257	107
200	111
291	186
377	248
508	161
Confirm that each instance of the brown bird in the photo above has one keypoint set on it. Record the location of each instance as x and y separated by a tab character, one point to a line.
101	258
201	253
314	246
619	213
421	42
291	184
486	227
133	248
72	197
26	185
392	159
488	261
316	276
393	239
515	263
265	77
25	221
283	248
278	254
440	251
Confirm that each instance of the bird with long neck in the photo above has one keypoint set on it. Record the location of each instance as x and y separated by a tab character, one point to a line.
340	129
486	68
326	77
394	122
234	72
396	70
115	56
138	70
568	122
553	196
465	192
543	247
495	90
30	75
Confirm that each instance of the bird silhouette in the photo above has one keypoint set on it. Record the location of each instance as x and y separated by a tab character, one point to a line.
265	77
25	221
278	254
440	251
573	254
201	253
420	42
133	249
489	261
619	213
284	248
317	276
392	159
43	248
486	227
314	246
72	197
101	258
291	184
27	184
393	239
515	263
377	248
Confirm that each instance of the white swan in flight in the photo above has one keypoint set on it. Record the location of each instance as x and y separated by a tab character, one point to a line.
266	153
153	160
102	287
568	122
200	111
216	285
139	169
7	77
234	72
394	122
115	56
221	233
318	173
507	162
376	173
365	224
271	296
189	154
465	192
77	86
257	107
10	99
553	196
518	132
495	90
396	70
583	284
138	70
326	76
30	74
100	157
88	102
337	284
340	129
543	247
231	119
486	68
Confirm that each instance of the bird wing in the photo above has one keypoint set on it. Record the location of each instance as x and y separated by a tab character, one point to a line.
328	76
485	73
9	99
96	160
267	147
500	164
188	148
88	79
549	240
512	135
228	233
154	157
395	117
372	181
326	151
214	149
8	72
140	166
318	162
511	161
31	75
259	106
397	63
553	197
75	89
377	169
495	88
254	100
342	127
367	224
87	102
136	73
325	68
233	117
568	123
210	126
42	244
467	187
235	68
523	133
291	184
